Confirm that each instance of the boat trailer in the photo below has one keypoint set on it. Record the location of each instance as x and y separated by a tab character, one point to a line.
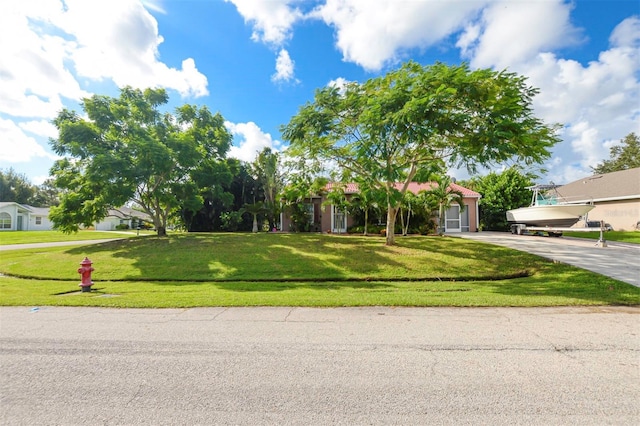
521	229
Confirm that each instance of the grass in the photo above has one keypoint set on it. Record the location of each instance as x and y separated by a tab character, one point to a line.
191	270
621	236
28	237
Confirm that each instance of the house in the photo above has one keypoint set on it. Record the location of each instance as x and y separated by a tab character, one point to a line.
124	217
616	196
325	217
22	217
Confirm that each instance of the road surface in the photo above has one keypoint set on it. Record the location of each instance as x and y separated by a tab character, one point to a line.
301	366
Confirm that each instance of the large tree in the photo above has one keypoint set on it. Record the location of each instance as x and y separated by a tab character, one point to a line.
127	150
15	187
386	129
501	192
46	194
623	156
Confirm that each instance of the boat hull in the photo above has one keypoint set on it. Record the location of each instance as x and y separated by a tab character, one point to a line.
556	215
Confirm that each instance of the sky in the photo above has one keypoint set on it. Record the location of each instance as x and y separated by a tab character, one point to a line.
258	61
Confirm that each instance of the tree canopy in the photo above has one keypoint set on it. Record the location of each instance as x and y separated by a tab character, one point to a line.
385	130
623	156
16	187
127	150
501	192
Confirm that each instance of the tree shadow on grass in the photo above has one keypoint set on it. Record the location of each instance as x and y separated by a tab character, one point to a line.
280	262
238	257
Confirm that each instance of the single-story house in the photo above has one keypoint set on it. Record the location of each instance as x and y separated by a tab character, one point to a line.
124	216
616	197
22	217
325	217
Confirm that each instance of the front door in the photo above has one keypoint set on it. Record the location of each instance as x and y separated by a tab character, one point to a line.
452	219
20	223
338	220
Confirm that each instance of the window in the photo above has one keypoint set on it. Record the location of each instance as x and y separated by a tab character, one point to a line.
5	221
38	220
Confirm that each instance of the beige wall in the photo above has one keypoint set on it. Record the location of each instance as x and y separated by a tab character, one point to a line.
621	215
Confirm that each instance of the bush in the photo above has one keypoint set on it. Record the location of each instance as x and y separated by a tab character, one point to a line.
122	226
371	229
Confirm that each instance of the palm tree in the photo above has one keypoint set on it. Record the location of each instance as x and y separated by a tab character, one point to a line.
444	196
255	209
366	199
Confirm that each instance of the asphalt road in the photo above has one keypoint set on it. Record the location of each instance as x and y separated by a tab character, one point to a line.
617	260
301	366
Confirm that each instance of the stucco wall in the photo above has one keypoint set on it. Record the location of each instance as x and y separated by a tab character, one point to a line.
45	223
621	215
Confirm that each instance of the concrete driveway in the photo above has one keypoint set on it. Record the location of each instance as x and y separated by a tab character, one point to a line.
617	260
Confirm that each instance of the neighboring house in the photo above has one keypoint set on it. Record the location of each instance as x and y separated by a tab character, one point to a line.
325	217
22	217
616	196
123	217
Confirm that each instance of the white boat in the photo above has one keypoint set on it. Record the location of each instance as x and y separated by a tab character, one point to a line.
548	209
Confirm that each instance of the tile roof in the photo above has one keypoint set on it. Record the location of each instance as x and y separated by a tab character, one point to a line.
415	187
621	185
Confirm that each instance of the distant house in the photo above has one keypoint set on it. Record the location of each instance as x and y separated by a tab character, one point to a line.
22	217
124	217
616	196
325	217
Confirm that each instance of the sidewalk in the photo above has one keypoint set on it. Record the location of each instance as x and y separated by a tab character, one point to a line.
54	244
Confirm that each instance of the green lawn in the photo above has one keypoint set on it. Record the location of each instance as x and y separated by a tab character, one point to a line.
189	270
27	237
621	236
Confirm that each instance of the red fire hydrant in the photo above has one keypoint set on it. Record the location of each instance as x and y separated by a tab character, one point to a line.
85	270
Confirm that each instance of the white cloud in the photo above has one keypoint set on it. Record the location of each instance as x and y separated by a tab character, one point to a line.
40	128
56	46
154	5
339	83
252	141
272	24
121	43
284	67
627	34
510	32
16	146
598	102
272	20
36	76
373	34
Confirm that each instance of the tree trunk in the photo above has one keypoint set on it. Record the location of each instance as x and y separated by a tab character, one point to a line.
162	231
255	223
392	212
366	219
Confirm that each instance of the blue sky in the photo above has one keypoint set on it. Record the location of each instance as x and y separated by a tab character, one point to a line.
257	62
